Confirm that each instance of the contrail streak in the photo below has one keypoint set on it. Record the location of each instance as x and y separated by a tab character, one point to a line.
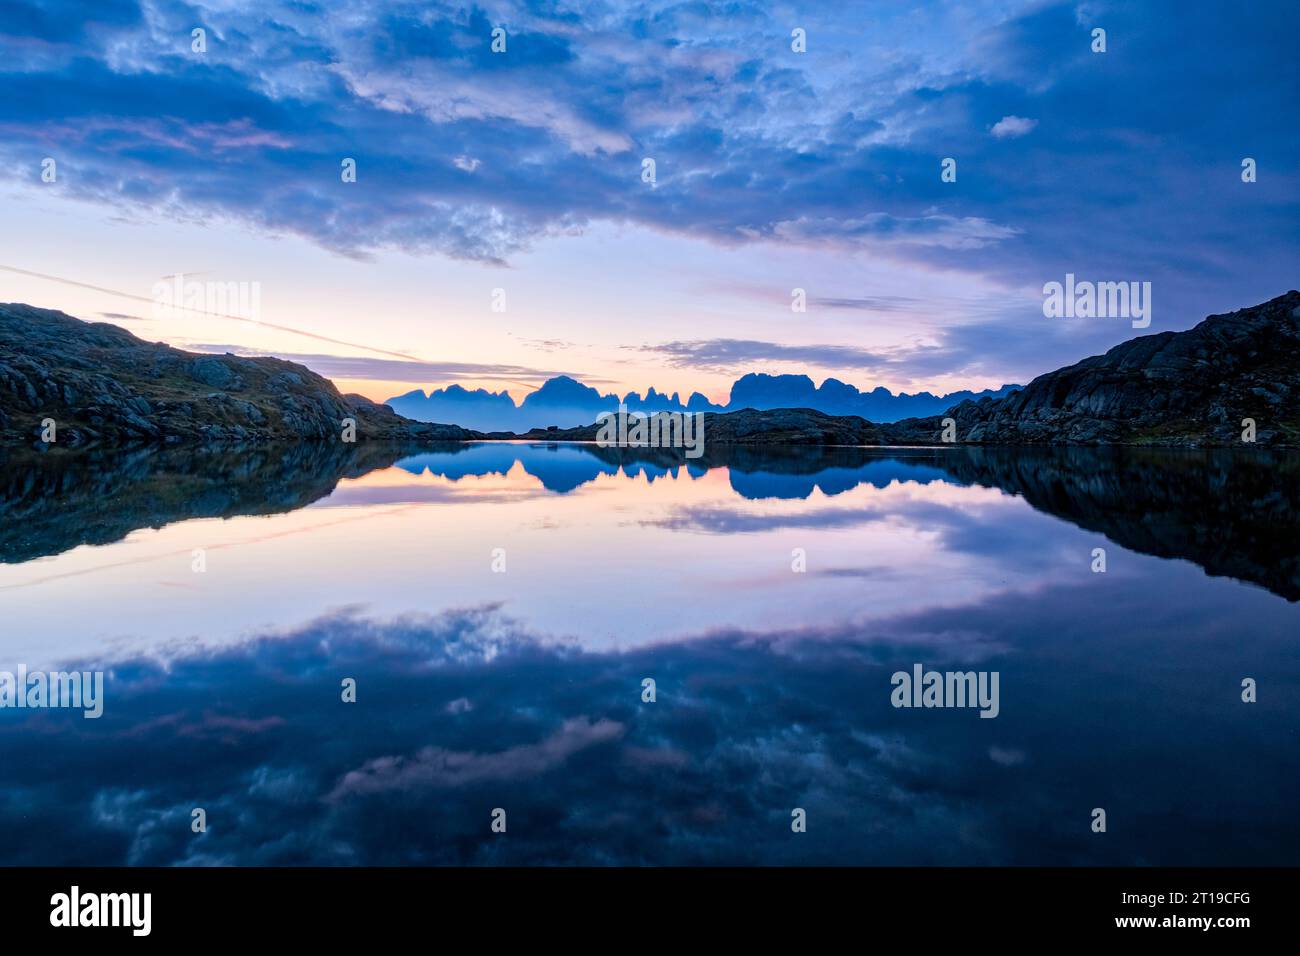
238	318
220	315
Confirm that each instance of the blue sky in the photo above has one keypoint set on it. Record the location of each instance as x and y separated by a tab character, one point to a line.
775	170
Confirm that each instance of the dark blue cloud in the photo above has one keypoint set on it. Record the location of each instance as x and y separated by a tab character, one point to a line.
1126	163
64	21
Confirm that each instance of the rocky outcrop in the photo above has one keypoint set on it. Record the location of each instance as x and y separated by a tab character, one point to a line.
101	384
1176	388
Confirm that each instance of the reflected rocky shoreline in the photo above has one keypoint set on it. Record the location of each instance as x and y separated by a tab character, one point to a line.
1233	512
54	501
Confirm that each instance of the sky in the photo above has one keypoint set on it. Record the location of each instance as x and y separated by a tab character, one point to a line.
500	229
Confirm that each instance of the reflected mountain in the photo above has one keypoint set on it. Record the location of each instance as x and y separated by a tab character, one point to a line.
756	471
1235	513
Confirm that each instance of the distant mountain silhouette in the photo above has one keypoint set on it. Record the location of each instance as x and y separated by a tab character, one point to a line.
565	402
1231	376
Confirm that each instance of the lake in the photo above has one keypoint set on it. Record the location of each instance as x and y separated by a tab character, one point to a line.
498	609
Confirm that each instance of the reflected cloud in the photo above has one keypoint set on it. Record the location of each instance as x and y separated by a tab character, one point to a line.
747	724
437	768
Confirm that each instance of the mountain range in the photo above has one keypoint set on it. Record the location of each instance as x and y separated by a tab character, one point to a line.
564	402
1231	376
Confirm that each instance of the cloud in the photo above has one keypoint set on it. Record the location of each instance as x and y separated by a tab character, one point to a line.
1006	758
730	521
545	345
391	370
724	354
438	768
872	303
1010	127
473	155
938	231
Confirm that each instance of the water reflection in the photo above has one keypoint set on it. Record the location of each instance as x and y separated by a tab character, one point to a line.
466	711
1233	513
522	689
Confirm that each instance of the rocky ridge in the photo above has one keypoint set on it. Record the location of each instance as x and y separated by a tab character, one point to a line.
101	384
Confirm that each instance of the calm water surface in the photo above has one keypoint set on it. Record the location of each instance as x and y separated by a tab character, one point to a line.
479	688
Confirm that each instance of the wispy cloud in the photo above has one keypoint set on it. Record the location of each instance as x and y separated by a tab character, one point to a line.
391	370
440	768
871	303
730	354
